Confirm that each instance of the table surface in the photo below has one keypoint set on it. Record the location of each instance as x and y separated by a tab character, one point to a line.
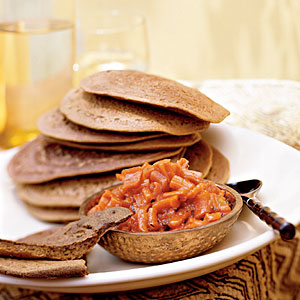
268	106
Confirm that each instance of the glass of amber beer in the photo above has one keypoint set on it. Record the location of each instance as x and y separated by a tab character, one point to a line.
36	61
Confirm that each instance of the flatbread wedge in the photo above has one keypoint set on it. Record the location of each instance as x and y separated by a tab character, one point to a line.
71	241
49	269
36	268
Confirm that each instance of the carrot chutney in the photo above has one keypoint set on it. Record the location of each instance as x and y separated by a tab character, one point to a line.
165	196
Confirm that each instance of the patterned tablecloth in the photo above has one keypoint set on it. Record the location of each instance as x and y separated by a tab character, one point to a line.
271	107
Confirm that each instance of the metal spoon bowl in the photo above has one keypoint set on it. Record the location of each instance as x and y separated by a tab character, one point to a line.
248	189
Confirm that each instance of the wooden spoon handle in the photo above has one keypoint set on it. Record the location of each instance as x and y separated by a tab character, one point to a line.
287	230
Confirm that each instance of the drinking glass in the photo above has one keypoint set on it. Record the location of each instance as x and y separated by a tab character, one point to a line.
36	61
110	40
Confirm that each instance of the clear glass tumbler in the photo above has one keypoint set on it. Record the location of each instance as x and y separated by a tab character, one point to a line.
110	40
37	45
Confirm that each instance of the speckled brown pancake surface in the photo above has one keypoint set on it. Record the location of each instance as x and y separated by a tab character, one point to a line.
54	124
104	113
66	192
219	171
160	143
155	90
48	269
72	241
40	161
200	157
53	214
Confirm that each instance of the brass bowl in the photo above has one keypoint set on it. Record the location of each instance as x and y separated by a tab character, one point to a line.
159	247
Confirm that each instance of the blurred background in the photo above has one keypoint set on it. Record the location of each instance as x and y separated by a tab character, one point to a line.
209	39
47	46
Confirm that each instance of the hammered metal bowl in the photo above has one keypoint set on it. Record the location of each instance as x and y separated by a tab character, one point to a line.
159	247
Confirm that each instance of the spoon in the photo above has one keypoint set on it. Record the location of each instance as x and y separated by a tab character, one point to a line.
248	190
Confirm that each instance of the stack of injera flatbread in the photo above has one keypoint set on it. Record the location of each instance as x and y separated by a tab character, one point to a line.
113	120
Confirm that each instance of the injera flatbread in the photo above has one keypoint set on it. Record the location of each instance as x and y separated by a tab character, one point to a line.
54	124
72	241
179	155
49	269
38	236
36	268
67	192
146	88
160	143
219	171
53	215
40	161
200	157
104	113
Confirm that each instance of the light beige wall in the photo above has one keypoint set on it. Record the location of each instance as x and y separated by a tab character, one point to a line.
207	39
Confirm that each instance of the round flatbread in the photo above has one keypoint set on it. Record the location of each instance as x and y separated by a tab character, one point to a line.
219	171
53	215
67	192
160	143
54	124
154	90
179	155
40	161
200	157
103	113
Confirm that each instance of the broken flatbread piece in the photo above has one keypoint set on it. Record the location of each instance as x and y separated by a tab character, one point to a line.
154	90
49	269
71	241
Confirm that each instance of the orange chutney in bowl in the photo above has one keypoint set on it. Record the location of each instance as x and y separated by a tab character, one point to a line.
165	196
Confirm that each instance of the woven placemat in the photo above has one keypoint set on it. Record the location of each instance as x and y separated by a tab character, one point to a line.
271	107
272	273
